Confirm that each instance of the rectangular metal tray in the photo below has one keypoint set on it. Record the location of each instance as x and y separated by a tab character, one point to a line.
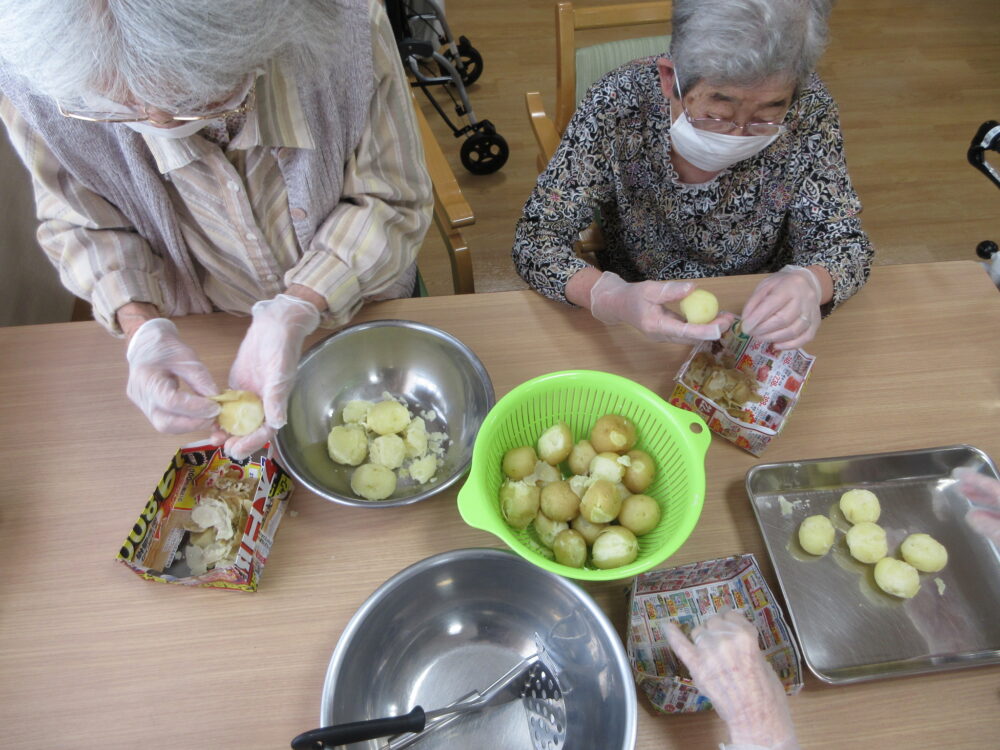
848	629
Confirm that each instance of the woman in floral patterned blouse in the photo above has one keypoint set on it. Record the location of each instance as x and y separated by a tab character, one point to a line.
724	157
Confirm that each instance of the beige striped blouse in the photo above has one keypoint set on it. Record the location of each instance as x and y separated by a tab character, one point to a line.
233	208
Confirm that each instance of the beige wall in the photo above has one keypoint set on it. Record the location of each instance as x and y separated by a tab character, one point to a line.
30	291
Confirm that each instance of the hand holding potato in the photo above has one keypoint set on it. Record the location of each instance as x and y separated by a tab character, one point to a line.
641	305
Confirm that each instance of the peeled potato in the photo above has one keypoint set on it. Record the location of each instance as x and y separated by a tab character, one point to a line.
640	471
613	433
924	553
897	577
614	547
639	514
555	444
347	444
388	417
860	505
699	307
607	466
816	535
356	410
867	543
388	450
242	412
415	437
519	462
373	481
423	468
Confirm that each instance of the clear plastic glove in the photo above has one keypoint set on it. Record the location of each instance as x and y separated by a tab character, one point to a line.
158	364
985	491
784	308
727	666
614	300
266	364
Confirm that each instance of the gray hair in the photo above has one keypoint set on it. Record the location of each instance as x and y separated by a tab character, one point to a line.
177	55
744	42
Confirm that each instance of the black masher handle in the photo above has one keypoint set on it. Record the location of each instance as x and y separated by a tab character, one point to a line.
359	731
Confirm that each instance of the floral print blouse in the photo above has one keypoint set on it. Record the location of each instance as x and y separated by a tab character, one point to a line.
791	203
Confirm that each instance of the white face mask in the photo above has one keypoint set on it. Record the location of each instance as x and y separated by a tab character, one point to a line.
710	151
180	131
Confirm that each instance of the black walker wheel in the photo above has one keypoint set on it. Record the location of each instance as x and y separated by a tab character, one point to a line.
471	61
485	151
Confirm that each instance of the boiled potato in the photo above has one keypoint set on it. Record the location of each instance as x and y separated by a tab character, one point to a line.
347	444
580	457
555	444
242	412
580	483
613	433
897	577
423	468
356	410
548	529
867	543
519	503
415	437
640	514
388	417
601	502
640	471
373	481
700	307
614	547
816	535
559	502
388	450
570	548
859	506
607	466
544	474
924	552
519	462
587	530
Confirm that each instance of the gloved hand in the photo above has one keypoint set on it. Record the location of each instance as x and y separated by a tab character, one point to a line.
640	304
266	363
784	308
981	490
727	666
159	363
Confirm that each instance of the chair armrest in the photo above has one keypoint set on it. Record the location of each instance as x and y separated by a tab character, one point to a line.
447	193
542	126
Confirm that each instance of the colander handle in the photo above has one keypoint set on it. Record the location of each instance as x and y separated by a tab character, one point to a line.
359	731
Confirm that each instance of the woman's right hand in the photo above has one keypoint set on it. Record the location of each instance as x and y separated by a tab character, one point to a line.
159	362
640	305
727	666
984	491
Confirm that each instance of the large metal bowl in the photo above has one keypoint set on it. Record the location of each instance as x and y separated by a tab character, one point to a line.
432	370
451	624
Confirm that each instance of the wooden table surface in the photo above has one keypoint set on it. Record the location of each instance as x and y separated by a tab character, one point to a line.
91	656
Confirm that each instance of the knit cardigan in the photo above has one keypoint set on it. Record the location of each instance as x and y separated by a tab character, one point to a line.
113	161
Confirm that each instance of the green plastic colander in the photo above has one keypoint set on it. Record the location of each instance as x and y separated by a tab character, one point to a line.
676	439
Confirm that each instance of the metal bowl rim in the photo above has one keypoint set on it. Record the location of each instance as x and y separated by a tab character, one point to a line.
475	553
478	367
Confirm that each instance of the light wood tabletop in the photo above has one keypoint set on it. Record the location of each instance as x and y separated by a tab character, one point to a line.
91	656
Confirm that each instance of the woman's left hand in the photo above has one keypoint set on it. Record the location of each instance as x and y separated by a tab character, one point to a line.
784	308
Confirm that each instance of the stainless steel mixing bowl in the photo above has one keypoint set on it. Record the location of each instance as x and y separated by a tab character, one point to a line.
440	378
453	623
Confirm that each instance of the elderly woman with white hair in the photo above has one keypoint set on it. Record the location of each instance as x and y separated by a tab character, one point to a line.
722	157
250	156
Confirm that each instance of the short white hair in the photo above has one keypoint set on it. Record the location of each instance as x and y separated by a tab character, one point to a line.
177	55
745	42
